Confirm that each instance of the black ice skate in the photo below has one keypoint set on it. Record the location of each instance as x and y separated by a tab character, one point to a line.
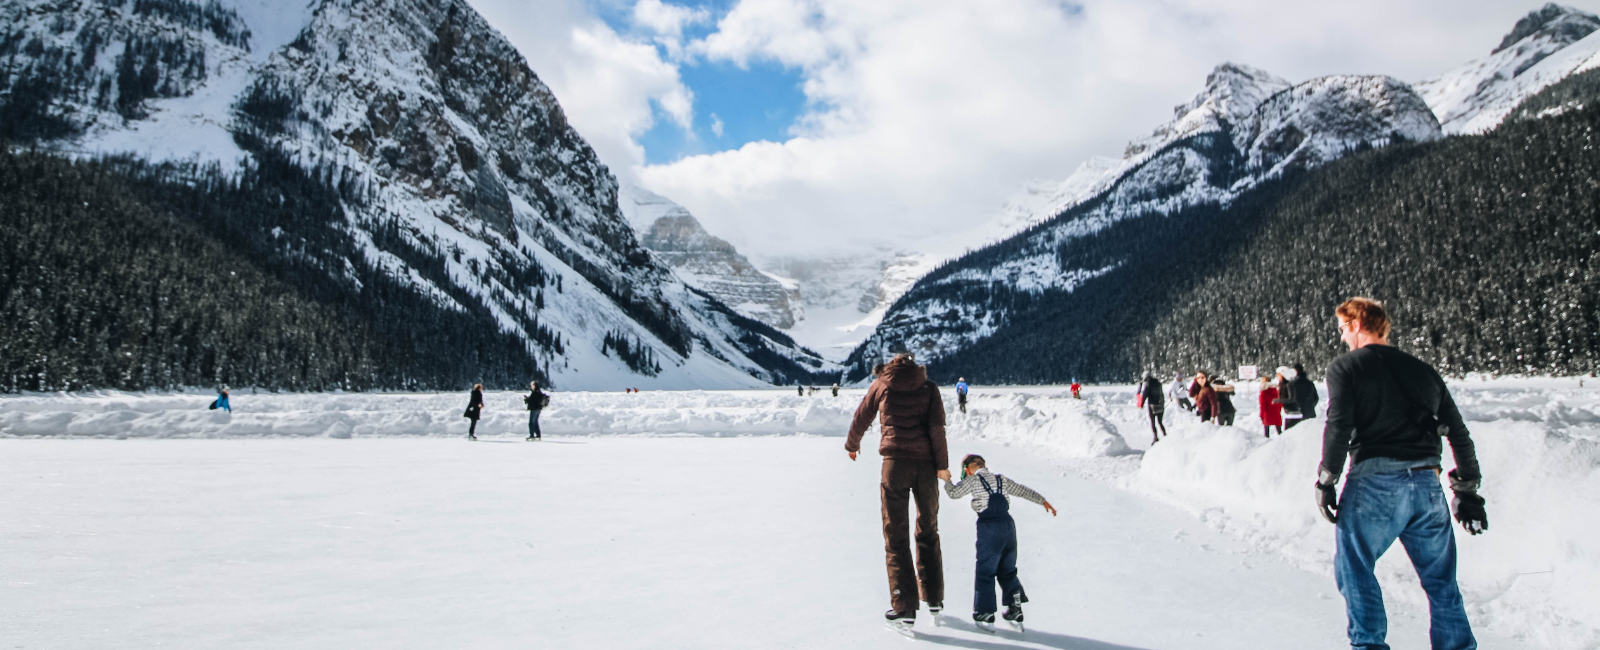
1013	615
901	622
984	622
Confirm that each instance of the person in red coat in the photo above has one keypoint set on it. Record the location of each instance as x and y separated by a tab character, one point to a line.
1075	388
1271	410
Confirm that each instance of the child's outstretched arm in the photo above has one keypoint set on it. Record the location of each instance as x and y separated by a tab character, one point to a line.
1016	489
958	490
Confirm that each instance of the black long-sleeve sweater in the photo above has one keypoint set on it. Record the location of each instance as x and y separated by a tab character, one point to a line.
1371	416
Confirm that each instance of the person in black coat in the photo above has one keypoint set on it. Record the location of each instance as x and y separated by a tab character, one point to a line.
474	410
536	401
1225	408
1305	396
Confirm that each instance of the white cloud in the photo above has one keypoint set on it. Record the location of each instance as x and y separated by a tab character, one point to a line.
716	125
608	84
924	115
667	22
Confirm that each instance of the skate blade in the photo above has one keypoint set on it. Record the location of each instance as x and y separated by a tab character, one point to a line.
1016	625
903	629
985	627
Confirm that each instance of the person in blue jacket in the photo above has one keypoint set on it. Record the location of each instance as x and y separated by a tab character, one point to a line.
961	393
222	400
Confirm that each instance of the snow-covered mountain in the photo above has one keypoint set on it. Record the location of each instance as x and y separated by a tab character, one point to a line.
455	144
707	262
1245	127
845	296
1546	46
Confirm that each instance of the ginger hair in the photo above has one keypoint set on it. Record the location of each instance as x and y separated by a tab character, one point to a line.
1370	313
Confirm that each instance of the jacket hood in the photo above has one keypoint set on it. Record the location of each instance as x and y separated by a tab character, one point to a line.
904	374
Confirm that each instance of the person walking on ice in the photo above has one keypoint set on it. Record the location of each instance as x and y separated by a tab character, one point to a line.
536	401
997	539
915	457
474	410
1151	399
222	401
1387	411
961	393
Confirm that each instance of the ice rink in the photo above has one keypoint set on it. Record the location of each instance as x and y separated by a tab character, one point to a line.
648	524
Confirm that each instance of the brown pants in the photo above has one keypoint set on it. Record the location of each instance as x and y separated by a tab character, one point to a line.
904	480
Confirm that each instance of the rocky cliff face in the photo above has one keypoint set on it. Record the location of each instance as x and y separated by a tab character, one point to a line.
1244	128
1543	48
458	154
708	263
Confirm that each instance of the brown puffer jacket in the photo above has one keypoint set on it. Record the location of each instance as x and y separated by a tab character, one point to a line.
912	415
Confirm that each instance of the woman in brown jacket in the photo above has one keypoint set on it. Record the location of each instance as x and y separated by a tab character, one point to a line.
1205	400
915	457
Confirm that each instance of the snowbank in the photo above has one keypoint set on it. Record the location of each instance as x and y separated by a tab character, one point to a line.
1534	575
1053	422
135	415
1045	421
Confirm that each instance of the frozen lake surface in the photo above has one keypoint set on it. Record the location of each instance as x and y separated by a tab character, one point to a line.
633	535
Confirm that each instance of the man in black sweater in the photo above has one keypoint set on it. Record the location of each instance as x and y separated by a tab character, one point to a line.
1387	411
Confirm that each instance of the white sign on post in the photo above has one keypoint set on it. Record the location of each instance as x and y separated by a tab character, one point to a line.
1247	372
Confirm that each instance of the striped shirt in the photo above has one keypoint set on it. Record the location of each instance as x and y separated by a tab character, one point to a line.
980	496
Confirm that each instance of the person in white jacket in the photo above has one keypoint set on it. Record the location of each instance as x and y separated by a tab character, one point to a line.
1178	392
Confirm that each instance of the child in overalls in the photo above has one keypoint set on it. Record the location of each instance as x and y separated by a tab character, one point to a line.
997	538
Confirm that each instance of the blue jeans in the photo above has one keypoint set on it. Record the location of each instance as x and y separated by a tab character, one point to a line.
533	425
1374	511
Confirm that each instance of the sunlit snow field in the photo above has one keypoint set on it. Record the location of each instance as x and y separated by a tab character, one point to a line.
727	519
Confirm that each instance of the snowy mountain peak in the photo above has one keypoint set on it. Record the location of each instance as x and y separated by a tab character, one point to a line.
1543	48
707	262
1560	24
1233	91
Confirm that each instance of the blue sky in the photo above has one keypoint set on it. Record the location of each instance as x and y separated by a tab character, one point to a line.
733	105
758	103
925	116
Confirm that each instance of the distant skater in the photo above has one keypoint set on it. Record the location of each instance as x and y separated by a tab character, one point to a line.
536	401
961	393
997	539
1225	407
1154	403
800	390
1305	395
911	418
1205	397
1075	388
1271	410
222	400
1179	394
474	410
835	390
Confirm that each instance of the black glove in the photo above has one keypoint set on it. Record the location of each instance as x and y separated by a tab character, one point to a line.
1327	495
1468	505
1328	502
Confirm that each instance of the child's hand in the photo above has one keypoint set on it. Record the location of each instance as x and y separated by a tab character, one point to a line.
1051	509
944	475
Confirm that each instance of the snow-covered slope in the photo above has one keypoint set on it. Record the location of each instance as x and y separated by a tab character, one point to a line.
1543	48
457	145
1245	127
844	296
707	262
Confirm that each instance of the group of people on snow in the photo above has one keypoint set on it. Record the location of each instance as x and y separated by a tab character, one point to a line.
1292	397
534	401
1388	413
